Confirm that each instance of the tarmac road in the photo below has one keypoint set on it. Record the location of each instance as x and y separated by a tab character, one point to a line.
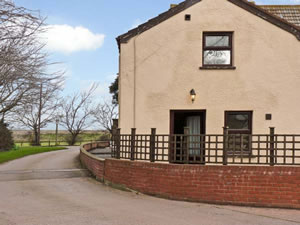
52	189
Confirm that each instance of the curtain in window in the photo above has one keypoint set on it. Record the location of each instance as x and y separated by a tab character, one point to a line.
194	123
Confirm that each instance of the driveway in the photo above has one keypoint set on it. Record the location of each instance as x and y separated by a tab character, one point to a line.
52	189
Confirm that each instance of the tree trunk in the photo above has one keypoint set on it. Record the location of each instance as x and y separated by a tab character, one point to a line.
36	141
39	117
73	140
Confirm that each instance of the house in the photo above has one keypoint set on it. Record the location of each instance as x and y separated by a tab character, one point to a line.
206	64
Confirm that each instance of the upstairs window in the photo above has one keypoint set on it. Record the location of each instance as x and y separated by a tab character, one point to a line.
217	49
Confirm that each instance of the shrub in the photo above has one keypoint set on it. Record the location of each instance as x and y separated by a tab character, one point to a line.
6	139
104	137
70	139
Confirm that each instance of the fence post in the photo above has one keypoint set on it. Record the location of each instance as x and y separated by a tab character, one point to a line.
118	142
152	145
187	147
272	145
132	152
225	145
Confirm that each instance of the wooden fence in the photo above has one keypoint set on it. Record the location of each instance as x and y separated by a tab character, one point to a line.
265	149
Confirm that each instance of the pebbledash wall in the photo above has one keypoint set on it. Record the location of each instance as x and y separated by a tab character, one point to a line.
237	185
160	66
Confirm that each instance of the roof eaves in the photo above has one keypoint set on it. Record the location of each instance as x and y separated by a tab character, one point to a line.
250	7
124	38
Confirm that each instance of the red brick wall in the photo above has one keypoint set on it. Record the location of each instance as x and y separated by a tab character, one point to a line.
95	166
246	185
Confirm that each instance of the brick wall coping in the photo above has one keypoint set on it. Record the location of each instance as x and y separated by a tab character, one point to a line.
85	151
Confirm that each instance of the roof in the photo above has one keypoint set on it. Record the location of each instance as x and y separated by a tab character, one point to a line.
285	17
290	13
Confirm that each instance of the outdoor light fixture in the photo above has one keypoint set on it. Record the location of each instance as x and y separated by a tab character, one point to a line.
193	95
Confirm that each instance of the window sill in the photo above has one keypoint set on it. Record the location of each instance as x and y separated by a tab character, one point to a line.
217	68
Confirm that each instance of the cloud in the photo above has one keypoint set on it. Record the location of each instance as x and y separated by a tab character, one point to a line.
68	39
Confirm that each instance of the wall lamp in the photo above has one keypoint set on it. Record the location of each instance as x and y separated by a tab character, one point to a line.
193	95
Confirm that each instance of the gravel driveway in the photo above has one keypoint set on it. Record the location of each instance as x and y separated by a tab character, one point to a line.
52	189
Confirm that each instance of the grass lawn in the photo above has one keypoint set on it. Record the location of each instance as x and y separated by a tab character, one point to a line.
25	151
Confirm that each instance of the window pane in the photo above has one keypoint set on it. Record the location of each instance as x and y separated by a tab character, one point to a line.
214	57
217	41
238	121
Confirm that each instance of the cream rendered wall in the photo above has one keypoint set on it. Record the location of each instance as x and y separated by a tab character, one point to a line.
160	66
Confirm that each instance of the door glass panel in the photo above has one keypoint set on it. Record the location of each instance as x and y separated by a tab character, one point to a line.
193	122
217	41
239	139
238	143
217	57
238	121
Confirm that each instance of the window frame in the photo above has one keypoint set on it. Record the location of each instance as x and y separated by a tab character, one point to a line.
237	131
248	151
218	48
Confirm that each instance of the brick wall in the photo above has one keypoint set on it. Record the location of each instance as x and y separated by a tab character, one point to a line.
92	163
246	185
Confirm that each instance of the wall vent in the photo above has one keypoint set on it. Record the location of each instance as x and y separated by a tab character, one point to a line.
188	17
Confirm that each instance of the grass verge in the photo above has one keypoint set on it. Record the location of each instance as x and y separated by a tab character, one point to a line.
25	151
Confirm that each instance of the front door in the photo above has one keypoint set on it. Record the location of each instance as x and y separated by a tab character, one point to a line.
179	119
187	149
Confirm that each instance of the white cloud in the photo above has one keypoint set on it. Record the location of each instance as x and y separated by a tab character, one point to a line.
68	39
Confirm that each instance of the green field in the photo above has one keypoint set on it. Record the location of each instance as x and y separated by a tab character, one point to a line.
51	143
20	152
22	138
63	136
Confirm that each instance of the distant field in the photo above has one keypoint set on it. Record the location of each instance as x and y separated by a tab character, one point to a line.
51	143
48	137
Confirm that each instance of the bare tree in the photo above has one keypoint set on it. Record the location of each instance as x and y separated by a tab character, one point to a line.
76	113
104	114
22	60
43	107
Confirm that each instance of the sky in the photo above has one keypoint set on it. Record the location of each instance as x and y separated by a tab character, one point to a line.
82	35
